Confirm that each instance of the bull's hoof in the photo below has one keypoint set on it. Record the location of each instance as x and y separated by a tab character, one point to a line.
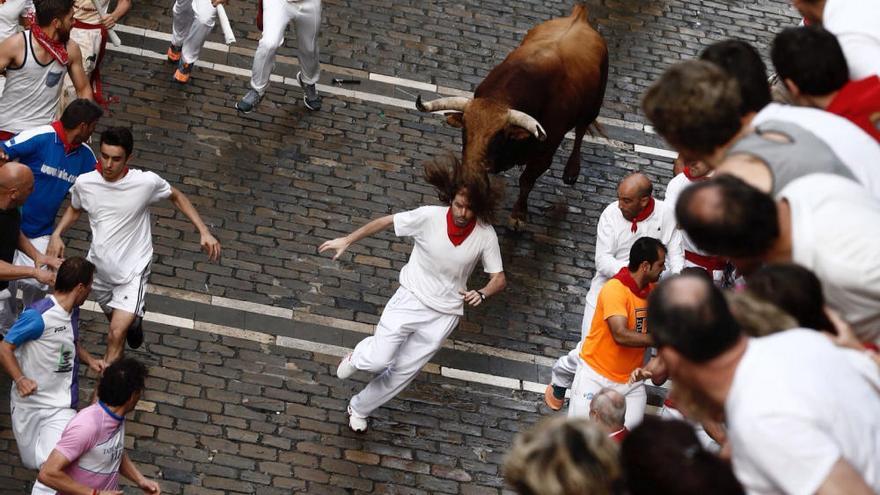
571	173
570	180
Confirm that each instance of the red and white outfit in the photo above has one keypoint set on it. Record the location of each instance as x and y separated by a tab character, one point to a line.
615	236
856	24
192	23
859	102
426	307
276	15
693	256
91	37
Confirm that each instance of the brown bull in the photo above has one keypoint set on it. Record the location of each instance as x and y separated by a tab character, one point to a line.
552	83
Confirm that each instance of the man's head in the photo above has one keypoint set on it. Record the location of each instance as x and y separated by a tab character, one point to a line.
633	194
16	184
80	119
469	195
562	457
647	257
55	15
810	62
75	276
742	62
795	290
608	409
812	10
727	217
122	384
691	324
117	145
695	106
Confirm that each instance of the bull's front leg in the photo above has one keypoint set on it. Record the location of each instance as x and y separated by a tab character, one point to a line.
534	168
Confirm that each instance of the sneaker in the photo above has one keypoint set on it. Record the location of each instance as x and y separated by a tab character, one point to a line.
357	423
135	334
249	102
173	54
311	97
345	368
552	399
183	71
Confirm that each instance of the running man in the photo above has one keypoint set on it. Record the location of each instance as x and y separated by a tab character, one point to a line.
449	241
192	23
117	199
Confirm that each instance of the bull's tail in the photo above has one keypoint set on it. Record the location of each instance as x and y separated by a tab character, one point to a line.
580	12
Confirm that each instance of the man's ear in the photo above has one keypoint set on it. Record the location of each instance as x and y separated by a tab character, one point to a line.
518	133
671	358
455	119
792	88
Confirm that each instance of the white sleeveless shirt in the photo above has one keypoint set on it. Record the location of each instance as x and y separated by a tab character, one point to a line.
32	91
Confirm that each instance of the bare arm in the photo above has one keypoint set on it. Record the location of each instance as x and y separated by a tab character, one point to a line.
844	480
52	475
340	244
131	472
110	20
625	336
11	51
40	259
56	245
96	365
655	370
497	283
25	385
209	243
77	73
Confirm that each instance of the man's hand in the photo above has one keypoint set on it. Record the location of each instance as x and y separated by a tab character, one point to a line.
109	21
218	2
211	246
55	249
639	374
3	157
340	244
25	386
45	277
471	297
98	366
150	486
50	261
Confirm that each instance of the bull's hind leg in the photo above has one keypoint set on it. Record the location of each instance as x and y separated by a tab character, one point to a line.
573	165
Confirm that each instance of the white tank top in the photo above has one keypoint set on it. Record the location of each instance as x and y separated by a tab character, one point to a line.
32	91
10	13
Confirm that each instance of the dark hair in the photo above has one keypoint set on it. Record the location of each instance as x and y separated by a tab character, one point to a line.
48	10
119	136
644	249
812	58
741	223
795	290
665	457
742	61
449	177
699	328
694	105
697	271
121	380
81	111
74	271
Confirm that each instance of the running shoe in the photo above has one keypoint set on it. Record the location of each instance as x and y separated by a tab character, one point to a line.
183	71
356	422
249	102
173	54
551	399
135	334
345	368
310	97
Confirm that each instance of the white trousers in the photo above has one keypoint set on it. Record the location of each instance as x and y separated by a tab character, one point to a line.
192	23
587	382
407	336
566	366
7	310
277	14
37	430
705	440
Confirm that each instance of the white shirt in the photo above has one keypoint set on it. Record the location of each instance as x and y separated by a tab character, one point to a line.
855	148
856	24
673	190
437	270
122	243
796	405
835	229
11	13
614	239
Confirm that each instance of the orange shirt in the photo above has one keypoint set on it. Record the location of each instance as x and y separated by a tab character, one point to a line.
611	360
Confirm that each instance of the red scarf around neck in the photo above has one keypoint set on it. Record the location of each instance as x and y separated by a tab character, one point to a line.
687	173
57	49
625	277
643	215
62	135
457	234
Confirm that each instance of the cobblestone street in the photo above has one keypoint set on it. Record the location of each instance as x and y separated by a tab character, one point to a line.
242	395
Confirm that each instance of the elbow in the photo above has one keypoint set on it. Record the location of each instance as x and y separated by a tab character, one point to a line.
502	282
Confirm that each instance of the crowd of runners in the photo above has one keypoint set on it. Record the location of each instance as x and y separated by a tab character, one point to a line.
753	284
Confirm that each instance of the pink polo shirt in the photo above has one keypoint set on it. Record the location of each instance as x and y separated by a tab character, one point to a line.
94	442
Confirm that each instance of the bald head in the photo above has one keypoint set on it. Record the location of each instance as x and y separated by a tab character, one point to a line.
16	184
633	194
608	408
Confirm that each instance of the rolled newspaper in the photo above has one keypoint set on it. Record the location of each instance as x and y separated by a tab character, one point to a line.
102	11
224	24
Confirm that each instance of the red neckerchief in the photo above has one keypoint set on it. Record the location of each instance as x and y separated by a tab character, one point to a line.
625	277
619	435
644	214
62	135
687	173
57	49
457	234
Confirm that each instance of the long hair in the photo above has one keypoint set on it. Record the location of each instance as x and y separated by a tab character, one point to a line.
449	178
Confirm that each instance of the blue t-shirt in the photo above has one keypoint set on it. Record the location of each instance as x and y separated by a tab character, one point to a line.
55	171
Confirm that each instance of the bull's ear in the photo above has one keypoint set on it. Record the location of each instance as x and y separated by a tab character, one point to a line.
455	119
518	133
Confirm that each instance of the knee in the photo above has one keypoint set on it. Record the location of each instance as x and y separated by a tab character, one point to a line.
270	42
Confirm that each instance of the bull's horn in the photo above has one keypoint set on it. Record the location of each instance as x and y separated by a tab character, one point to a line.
527	122
456	103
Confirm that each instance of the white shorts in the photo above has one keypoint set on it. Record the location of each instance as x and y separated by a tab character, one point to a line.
40	244
128	297
587	382
37	430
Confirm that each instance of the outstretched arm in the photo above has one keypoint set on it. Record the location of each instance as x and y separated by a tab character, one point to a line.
130	471
209	243
340	244
56	245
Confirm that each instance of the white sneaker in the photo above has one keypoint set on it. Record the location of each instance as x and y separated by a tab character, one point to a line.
358	424
345	368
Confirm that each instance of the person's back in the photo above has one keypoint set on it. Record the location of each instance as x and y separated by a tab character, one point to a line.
797	404
856	23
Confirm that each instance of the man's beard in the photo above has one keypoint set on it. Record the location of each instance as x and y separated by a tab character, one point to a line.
63	36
